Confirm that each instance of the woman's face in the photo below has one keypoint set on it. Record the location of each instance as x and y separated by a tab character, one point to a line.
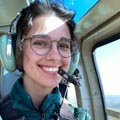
41	70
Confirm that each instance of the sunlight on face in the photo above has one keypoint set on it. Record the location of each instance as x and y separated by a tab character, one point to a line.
53	23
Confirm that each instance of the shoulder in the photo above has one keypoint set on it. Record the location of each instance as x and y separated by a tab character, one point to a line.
6	102
7	112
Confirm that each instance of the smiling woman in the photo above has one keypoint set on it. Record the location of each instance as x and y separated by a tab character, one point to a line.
43	43
44	76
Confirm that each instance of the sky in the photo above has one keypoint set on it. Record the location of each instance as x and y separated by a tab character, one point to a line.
80	6
108	60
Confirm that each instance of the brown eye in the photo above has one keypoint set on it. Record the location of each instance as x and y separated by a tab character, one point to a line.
64	44
40	42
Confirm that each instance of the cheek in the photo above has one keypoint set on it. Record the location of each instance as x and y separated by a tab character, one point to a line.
27	55
26	61
68	61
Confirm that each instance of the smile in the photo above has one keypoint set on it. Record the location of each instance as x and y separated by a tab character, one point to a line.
50	69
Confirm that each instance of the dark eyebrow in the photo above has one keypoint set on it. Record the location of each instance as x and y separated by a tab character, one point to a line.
37	35
41	35
66	39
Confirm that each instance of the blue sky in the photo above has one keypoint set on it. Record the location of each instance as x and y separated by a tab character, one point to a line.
80	6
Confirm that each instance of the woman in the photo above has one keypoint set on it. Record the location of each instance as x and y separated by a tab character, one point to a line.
44	43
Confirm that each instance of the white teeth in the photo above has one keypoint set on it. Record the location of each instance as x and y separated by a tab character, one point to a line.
51	69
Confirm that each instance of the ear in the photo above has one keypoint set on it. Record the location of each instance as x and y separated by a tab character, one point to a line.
74	62
6	53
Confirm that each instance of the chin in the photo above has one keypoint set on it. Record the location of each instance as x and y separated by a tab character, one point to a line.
53	84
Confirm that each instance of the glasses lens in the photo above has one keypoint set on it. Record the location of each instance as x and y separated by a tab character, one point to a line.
64	47
40	44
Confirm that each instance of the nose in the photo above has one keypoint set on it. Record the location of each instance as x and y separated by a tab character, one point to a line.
54	54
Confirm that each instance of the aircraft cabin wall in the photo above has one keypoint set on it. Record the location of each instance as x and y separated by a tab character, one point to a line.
92	34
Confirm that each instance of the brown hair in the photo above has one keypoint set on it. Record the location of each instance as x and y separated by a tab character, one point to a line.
27	16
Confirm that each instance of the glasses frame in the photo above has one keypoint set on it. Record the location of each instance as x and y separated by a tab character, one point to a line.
73	45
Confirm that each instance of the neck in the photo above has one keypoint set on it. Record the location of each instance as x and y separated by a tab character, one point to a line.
37	92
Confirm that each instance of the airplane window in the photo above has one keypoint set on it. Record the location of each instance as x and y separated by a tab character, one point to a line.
80	6
107	62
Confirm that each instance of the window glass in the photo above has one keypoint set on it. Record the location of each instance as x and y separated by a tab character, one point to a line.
107	62
80	6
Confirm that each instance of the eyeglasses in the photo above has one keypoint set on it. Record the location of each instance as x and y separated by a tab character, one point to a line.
41	44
